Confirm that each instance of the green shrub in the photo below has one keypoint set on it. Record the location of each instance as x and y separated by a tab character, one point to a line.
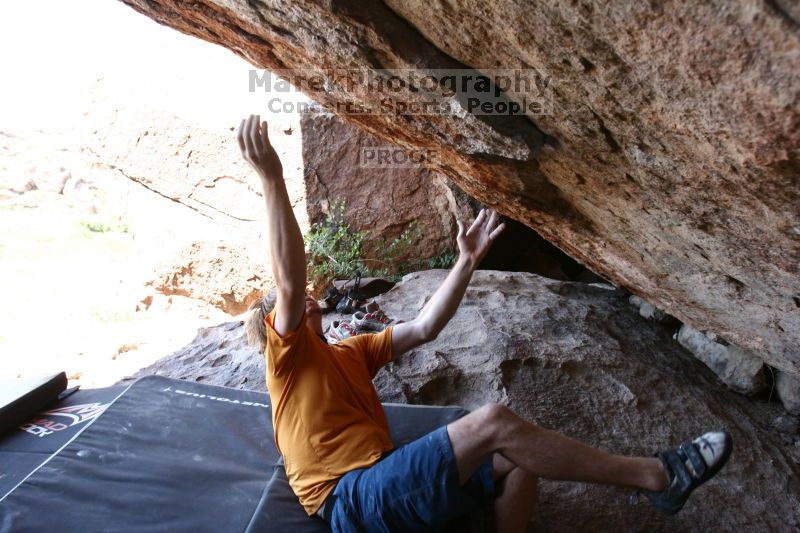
336	250
445	259
96	226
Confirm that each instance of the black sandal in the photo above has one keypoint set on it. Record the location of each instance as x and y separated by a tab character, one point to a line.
331	300
349	304
687	470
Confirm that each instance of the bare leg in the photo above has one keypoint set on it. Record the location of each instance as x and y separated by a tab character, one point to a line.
496	429
516	496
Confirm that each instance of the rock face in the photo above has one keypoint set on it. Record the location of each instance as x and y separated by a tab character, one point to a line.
648	310
213	271
788	387
739	369
196	165
218	355
384	187
664	154
576	358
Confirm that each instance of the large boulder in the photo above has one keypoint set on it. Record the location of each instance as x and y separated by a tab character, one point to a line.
577	358
788	387
738	368
384	187
218	355
661	152
228	277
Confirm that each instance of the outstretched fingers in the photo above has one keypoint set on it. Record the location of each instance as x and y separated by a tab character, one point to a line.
492	221
495	226
491	225
240	136
479	220
245	139
264	134
255	136
497	231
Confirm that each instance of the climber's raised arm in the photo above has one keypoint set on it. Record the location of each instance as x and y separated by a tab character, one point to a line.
472	245
285	240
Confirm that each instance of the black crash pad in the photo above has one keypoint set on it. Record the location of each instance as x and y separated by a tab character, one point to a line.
22	398
165	455
33	442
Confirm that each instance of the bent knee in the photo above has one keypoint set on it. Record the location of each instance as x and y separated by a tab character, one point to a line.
524	481
529	480
494	411
495	420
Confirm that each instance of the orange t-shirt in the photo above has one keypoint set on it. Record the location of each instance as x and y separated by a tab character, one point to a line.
326	414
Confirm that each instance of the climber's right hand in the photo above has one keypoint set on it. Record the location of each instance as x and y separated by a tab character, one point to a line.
257	150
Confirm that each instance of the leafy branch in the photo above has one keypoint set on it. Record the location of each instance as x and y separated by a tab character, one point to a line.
337	250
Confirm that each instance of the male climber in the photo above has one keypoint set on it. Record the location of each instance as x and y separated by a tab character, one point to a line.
333	435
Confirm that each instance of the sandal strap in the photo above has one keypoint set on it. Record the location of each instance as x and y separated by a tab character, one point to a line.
678	468
695	458
687	470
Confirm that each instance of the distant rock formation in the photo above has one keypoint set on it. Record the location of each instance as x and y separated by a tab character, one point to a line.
224	275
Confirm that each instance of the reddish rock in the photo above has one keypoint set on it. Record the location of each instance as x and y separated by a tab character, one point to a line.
384	187
668	161
223	275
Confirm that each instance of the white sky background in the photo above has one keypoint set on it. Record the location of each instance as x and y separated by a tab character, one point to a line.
54	51
72	67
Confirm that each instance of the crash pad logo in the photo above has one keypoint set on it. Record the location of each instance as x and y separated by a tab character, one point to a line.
62	418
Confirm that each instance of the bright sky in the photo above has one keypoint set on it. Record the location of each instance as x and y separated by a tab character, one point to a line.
70	69
54	52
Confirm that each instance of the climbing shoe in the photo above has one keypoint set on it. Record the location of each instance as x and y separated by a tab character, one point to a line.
688	466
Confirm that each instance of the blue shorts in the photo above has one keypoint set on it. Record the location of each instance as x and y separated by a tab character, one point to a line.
415	488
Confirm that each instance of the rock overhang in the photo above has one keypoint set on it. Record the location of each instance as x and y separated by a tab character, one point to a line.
669	165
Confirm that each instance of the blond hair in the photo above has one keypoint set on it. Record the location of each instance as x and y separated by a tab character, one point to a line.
255	327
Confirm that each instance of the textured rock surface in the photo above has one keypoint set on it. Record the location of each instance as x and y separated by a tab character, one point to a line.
382	198
649	311
669	162
385	188
213	271
788	387
579	359
739	369
184	163
195	163
218	355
